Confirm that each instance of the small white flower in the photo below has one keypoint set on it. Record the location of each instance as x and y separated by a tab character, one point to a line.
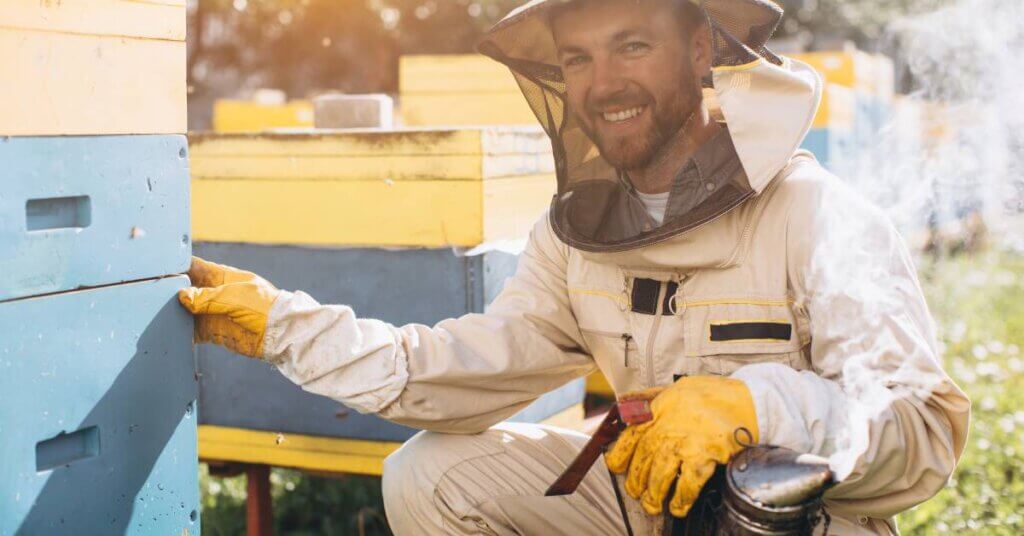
988	370
988	403
979	351
957	331
976	278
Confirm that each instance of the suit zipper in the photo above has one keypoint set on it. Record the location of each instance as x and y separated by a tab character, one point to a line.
654	333
626	339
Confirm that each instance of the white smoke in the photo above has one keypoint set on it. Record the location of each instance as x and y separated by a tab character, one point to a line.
871	324
968	64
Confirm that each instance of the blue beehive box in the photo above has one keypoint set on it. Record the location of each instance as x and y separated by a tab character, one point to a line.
835	148
86	211
98	426
872	114
398	286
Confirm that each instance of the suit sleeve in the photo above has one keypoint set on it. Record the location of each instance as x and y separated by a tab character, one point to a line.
461	375
877	404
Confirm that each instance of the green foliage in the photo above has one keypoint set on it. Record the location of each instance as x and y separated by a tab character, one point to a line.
979	305
223	504
304	505
311	506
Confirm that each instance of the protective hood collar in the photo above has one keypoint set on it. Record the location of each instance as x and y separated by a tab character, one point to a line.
767	103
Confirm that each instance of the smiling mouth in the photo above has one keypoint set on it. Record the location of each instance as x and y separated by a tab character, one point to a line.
624	115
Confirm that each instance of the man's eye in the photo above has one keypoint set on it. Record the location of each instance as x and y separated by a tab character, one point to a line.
635	46
574	61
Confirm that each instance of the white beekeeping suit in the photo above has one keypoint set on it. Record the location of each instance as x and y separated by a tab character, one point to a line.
777	277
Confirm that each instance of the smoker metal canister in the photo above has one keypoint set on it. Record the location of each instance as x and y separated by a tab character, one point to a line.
773	491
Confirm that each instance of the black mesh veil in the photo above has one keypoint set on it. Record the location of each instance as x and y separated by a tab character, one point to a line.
595	208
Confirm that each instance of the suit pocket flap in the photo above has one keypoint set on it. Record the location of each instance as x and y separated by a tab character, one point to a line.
744	326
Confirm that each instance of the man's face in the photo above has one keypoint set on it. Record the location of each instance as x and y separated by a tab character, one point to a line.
629	69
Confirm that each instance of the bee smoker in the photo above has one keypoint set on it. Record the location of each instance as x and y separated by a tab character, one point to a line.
763	491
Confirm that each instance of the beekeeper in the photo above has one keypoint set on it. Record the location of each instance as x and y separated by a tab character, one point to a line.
692	246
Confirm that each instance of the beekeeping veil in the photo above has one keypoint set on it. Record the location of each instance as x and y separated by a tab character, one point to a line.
767	103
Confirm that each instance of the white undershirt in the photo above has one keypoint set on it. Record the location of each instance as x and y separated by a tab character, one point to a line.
655	205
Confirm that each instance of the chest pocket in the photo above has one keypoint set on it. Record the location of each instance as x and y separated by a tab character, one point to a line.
722	335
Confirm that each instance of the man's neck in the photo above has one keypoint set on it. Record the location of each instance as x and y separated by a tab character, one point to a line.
658	175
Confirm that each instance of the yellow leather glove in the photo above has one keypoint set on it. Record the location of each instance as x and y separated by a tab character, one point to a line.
693	430
230	306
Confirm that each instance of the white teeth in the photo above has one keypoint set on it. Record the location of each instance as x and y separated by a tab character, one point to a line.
617	117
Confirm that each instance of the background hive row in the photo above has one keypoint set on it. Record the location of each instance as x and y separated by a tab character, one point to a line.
431	188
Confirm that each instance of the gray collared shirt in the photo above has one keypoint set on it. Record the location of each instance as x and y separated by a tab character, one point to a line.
714	165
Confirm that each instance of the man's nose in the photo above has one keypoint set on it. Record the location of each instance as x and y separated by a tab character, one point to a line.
608	81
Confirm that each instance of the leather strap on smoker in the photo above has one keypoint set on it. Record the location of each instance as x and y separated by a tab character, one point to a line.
605	435
622	414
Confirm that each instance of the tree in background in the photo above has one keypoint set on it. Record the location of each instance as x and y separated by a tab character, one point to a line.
308	46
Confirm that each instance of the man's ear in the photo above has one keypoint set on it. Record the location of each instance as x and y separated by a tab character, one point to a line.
701	52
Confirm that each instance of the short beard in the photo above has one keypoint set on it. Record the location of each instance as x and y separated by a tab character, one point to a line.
638	152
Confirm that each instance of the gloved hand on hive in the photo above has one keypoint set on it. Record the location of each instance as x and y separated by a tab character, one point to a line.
230	306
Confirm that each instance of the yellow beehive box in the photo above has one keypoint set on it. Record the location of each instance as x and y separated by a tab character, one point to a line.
92	67
871	74
838	107
468	89
414	188
248	116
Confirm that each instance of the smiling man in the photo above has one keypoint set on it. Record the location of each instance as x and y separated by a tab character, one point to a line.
691	251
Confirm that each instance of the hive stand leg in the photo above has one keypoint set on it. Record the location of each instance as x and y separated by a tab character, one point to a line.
258	507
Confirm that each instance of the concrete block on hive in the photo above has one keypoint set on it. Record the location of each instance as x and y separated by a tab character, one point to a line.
236	116
427	188
469	89
353	111
92	67
89	211
99	425
398	286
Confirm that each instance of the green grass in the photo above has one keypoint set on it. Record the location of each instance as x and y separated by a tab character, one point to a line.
978	302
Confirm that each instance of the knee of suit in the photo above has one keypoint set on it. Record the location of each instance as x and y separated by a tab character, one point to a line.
410	462
414	472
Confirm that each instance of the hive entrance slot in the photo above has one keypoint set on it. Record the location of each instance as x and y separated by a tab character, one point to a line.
58	213
67	448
